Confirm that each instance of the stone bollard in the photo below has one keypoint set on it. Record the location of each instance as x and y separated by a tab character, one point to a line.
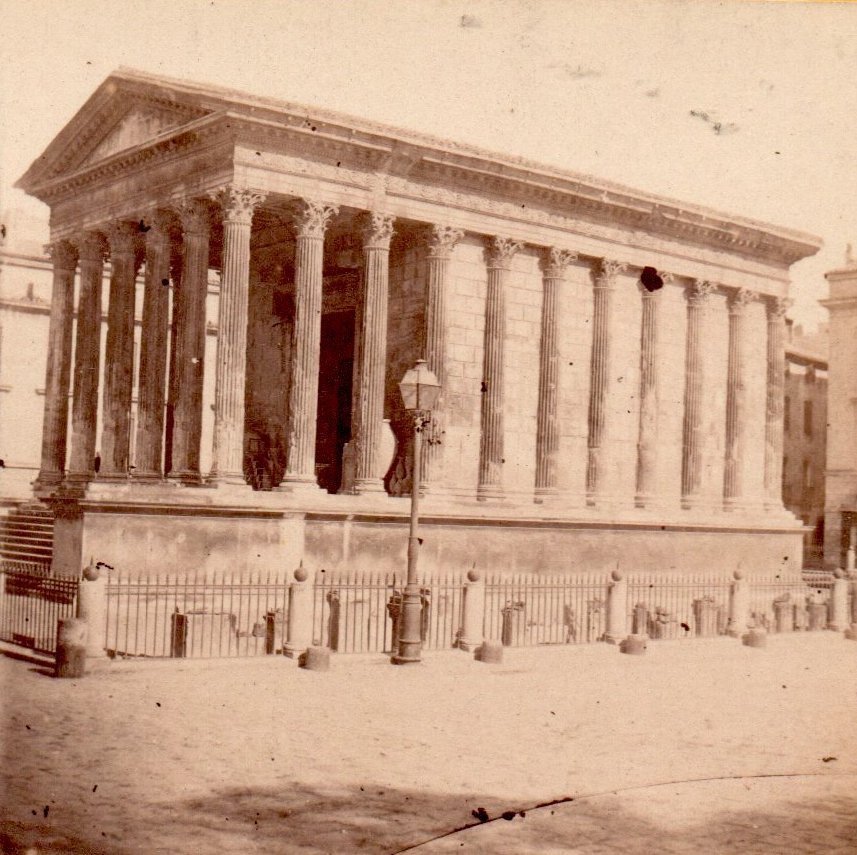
70	658
784	614
474	611
300	615
92	608
839	602
315	659
617	609
755	638
636	645
490	652
739	606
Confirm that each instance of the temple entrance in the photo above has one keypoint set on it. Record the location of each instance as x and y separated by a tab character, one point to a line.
334	397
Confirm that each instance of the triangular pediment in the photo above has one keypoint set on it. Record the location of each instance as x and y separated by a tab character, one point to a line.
121	115
143	122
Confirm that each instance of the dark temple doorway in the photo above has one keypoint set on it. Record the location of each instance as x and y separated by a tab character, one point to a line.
334	397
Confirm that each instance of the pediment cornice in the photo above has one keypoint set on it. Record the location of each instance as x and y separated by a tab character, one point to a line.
384	159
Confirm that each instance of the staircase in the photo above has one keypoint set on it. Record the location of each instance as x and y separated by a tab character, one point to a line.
27	534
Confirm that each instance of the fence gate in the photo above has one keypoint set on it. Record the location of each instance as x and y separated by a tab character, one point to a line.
31	603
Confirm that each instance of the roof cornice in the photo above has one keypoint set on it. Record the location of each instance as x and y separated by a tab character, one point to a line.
387	150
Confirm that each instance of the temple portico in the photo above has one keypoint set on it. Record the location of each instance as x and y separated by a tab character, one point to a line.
611	362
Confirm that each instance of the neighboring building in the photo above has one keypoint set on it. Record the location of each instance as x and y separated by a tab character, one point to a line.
612	362
841	476
805	432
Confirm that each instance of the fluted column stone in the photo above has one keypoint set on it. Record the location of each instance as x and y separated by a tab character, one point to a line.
311	222
151	385
119	354
87	359
176	323
441	242
647	436
693	442
776	310
500	254
228	450
58	373
599	389
369	409
736	400
190	342
547	416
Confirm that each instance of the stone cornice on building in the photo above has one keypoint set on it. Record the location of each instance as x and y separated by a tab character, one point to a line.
382	160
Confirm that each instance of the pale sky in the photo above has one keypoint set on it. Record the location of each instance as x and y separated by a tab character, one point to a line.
746	107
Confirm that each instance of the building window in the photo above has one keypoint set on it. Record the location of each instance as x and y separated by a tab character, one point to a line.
807	475
787	411
807	418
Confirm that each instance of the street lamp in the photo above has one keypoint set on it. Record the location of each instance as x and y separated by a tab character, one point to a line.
420	390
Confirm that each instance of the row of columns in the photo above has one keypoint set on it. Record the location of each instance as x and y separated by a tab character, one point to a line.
184	398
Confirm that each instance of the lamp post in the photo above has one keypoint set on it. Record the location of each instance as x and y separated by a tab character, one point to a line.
420	390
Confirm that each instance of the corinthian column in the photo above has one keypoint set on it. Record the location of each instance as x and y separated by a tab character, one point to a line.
55	423
736	404
694	391
547	418
647	436
87	358
190	342
228	453
599	389
369	405
441	242
500	254
310	224
119	354
777	309
153	352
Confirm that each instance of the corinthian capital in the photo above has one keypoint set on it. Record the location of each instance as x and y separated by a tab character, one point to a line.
91	247
237	203
700	291
312	218
778	306
377	229
442	240
63	254
500	252
194	216
120	236
608	270
740	299
557	262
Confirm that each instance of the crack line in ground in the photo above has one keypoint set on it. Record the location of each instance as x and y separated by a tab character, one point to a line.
568	799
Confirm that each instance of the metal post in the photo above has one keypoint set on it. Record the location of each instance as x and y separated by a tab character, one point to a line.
410	644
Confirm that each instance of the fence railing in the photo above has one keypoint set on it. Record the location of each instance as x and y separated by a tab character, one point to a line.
195	616
31	603
523	610
678	605
248	615
359	613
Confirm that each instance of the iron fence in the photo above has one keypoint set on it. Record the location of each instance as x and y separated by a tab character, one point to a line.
785	603
31	603
678	605
361	612
196	616
523	610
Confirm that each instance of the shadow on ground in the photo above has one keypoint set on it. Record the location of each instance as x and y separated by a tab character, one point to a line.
374	819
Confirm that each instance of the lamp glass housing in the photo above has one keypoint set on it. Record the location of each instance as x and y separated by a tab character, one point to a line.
419	387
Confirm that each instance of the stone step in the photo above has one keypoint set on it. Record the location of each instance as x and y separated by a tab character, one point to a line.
20	554
19	540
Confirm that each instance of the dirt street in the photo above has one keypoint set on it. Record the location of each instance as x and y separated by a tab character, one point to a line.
700	746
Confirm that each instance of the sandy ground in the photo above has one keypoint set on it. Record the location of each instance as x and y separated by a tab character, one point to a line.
699	746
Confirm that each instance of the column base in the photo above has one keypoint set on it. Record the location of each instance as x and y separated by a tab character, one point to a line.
298	484
112	477
148	478
468	645
368	485
186	477
228	479
294	651
490	493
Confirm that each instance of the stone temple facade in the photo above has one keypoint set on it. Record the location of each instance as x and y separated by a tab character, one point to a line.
612	362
